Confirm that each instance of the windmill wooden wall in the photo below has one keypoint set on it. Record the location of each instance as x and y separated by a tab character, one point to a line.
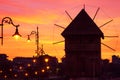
82	47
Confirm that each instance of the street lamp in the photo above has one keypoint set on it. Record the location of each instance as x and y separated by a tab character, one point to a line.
36	39
16	35
8	20
38	50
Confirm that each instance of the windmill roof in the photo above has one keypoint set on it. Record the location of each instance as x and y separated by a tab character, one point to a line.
82	25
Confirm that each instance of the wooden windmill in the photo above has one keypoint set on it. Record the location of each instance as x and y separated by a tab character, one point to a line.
83	46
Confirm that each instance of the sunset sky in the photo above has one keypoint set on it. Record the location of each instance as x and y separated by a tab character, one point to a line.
45	13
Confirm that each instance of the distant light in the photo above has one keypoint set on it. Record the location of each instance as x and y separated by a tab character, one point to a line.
35	54
34	60
46	60
10	69
1	71
36	72
26	74
11	59
28	65
48	67
15	75
20	67
43	70
5	76
57	69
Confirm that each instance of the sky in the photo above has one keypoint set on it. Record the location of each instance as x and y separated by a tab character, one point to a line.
45	13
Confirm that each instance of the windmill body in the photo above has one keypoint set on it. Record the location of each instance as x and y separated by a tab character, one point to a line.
82	47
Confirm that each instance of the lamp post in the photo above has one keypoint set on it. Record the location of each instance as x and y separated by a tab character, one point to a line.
38	49
8	20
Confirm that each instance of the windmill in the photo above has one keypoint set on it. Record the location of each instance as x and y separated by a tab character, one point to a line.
83	46
67	13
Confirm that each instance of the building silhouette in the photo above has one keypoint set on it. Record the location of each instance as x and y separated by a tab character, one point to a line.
5	67
82	47
115	59
28	68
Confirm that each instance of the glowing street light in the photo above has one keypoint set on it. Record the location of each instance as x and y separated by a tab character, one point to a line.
8	20
28	40
16	35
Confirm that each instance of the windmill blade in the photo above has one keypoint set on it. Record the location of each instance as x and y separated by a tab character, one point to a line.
106	23
58	42
108	46
59	26
111	36
68	15
96	13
